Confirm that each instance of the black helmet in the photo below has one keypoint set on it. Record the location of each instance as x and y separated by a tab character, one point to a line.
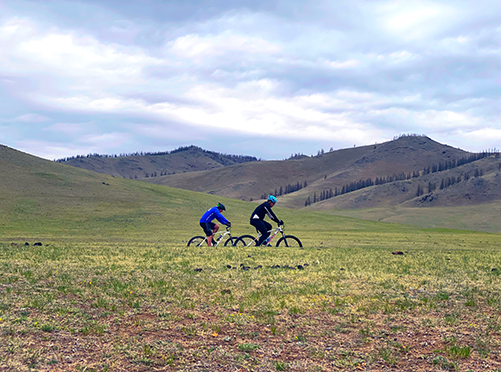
221	206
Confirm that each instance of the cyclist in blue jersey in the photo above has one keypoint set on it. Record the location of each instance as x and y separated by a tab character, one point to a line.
209	227
257	219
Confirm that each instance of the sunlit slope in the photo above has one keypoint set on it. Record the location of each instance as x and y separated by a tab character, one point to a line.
48	201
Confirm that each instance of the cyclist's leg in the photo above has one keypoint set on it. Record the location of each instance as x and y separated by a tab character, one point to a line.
262	227
208	227
214	231
268	228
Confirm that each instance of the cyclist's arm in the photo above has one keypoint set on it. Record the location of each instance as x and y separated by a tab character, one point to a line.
221	218
271	214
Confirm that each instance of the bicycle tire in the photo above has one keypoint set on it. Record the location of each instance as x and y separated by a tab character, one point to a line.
289	241
196	241
245	241
231	241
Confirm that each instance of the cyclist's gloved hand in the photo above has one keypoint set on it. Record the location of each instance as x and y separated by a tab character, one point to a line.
228	224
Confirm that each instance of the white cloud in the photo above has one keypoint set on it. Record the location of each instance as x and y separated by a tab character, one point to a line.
413	20
50	151
483	135
26	118
68	128
107	140
196	46
343	64
90	63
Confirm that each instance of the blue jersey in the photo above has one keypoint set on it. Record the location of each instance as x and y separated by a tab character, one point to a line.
213	213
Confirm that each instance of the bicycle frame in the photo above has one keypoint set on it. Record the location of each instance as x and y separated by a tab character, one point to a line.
276	230
273	233
218	237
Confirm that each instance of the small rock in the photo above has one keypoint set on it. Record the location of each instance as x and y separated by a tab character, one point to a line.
14	245
245	268
26	243
398	253
300	267
494	269
198	269
258	267
306	265
228	266
249	255
342	269
275	267
38	244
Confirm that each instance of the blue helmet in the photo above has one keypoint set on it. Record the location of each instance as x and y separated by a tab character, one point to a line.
272	199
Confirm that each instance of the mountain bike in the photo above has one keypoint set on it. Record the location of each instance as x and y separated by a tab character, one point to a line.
285	240
198	241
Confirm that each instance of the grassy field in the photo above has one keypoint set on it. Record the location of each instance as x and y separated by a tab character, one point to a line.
111	286
481	217
139	300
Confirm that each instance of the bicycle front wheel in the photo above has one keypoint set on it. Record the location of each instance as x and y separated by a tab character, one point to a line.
196	241
245	241
231	241
289	241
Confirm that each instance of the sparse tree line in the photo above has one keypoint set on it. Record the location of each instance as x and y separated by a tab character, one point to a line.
224	159
154	174
449	181
353	186
287	189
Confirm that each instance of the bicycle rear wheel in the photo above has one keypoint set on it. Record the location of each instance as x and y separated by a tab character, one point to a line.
289	241
196	241
245	241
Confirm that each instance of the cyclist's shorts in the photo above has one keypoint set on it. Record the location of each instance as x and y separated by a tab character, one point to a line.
208	227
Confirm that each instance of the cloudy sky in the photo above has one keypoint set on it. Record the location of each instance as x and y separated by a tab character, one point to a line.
263	78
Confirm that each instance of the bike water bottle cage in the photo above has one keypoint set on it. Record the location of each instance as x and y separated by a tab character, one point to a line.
220	206
272	199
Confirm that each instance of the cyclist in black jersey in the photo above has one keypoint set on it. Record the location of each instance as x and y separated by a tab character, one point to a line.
257	218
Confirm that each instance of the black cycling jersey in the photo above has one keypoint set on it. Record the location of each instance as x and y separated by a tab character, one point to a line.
262	210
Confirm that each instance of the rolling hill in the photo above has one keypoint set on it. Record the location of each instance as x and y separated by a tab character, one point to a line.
148	165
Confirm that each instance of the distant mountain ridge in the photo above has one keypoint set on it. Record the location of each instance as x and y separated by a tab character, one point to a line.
333	169
145	165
